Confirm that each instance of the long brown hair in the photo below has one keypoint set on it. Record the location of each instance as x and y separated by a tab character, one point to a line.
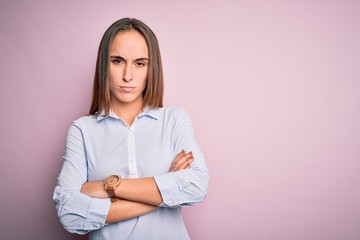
154	90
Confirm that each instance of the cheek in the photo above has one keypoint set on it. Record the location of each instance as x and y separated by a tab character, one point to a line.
140	78
144	78
144	82
115	73
113	85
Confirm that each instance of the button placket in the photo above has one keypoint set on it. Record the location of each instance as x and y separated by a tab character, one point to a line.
131	154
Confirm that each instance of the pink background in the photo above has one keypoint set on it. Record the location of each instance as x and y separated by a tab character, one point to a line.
273	89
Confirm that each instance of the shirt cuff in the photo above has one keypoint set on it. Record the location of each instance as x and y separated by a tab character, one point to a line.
84	214
169	189
98	211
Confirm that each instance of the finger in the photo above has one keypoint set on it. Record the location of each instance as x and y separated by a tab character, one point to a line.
186	159
175	161
181	160
179	156
185	164
83	187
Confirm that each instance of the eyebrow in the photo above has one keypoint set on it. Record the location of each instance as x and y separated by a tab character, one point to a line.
136	60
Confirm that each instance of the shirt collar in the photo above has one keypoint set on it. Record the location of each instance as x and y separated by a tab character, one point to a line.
153	113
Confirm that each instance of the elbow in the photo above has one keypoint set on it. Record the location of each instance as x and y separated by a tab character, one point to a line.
198	190
203	188
79	213
72	221
72	226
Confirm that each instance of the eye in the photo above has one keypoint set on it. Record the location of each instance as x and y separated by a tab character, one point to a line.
116	61
140	64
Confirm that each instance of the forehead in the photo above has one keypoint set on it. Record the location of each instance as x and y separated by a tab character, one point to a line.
129	44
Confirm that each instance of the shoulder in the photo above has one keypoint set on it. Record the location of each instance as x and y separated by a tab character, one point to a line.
85	121
175	113
176	117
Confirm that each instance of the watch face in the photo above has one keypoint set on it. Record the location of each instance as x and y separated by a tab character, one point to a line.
111	180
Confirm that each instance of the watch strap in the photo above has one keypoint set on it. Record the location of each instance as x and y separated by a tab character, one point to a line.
111	192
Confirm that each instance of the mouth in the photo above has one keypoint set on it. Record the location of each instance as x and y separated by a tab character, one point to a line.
127	89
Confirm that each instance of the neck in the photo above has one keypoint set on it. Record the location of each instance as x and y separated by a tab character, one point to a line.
127	111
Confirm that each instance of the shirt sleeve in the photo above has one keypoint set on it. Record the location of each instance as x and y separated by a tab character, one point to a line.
77	212
190	186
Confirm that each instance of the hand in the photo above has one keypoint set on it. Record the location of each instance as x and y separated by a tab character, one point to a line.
94	189
182	161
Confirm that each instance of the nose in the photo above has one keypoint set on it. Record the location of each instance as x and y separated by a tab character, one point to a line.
128	74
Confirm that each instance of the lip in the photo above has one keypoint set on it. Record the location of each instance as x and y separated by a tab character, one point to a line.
127	89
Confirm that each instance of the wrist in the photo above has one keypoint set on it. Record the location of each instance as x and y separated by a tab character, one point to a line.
111	183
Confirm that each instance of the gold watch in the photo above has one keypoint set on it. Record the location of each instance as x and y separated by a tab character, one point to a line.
111	183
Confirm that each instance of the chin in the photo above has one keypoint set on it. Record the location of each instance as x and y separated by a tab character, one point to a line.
128	100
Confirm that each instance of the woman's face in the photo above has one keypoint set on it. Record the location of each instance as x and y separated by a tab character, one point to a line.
128	67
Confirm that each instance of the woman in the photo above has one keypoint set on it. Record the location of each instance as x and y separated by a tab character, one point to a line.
131	165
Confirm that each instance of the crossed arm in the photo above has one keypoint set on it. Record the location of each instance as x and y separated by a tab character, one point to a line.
136	196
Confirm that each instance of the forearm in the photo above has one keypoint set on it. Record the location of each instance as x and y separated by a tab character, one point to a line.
122	210
145	190
142	190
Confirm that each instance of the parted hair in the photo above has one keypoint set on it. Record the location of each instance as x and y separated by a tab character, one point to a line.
154	90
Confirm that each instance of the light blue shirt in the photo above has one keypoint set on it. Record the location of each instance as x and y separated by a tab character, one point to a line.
97	147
